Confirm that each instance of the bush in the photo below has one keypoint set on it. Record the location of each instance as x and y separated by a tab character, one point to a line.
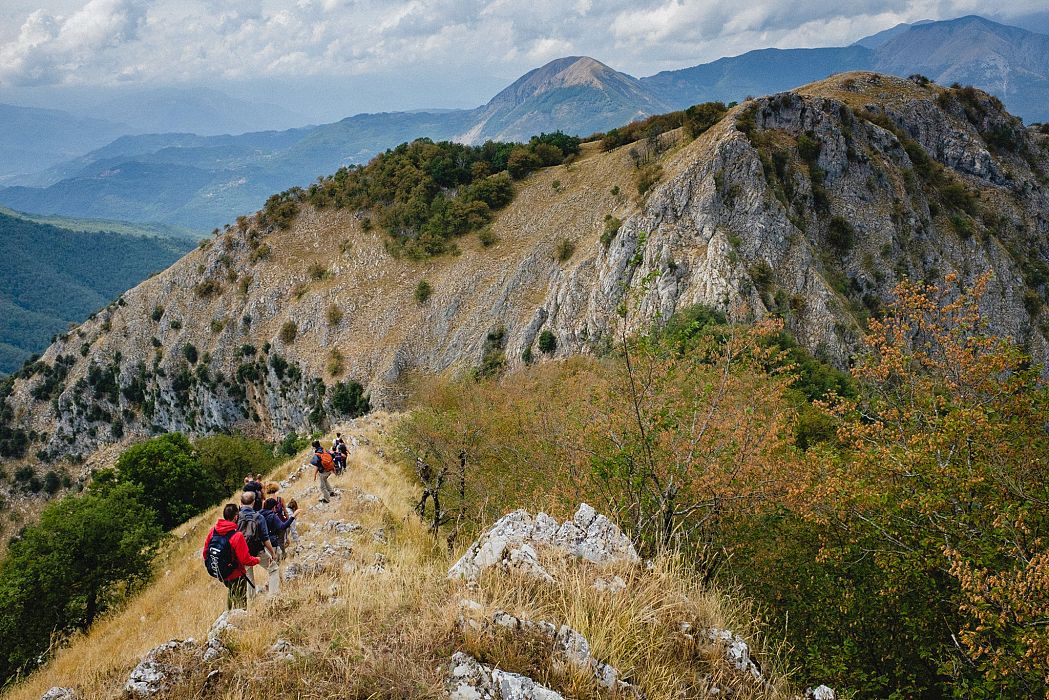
565	249
522	161
334	315
83	556
840	235
350	400
423	292
229	457
288	332
189	351
611	228
647	177
547	342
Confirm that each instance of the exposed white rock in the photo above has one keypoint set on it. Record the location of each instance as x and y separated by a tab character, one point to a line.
821	692
570	646
58	693
737	652
152	675
587	535
469	679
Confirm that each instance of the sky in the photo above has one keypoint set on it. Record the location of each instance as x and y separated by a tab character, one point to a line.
326	57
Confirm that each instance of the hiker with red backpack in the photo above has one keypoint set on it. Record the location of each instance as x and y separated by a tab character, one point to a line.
226	557
325	466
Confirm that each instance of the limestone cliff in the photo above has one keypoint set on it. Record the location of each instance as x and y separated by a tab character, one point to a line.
809	204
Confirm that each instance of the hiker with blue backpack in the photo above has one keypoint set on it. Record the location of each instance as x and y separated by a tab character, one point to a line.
256	533
226	557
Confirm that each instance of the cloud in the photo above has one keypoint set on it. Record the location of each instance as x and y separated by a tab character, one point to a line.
50	48
103	42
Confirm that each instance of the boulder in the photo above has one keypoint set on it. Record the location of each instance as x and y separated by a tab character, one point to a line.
588	535
231	620
58	693
612	585
820	692
571	647
153	674
737	652
469	679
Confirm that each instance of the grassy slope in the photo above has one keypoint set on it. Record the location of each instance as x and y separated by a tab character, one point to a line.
359	632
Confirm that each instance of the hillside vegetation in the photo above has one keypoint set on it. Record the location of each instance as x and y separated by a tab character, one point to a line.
52	277
380	618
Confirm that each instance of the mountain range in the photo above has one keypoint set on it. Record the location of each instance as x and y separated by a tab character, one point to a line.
202	182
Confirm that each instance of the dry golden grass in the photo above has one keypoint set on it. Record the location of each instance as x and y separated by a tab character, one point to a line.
361	631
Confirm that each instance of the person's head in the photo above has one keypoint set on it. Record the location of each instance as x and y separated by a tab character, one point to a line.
293	504
247	498
247	479
316	445
338	436
230	512
272	487
270	504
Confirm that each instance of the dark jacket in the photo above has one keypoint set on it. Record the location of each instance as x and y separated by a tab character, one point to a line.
249	513
255	487
241	556
276	525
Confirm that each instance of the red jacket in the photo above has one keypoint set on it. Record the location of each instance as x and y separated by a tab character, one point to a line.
241	556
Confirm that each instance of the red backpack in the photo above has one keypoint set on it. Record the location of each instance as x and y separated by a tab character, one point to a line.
327	463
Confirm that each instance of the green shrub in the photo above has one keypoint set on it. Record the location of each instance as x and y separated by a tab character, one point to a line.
547	342
189	351
423	292
565	249
349	399
611	228
288	331
522	161
158	312
334	315
487	237
647	177
840	235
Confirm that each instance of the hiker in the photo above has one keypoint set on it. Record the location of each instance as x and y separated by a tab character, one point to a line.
325	465
293	512
252	485
339	454
278	525
226	557
338	441
253	525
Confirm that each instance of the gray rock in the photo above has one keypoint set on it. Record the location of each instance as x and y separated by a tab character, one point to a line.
58	693
153	675
588	535
737	651
612	585
820	692
469	679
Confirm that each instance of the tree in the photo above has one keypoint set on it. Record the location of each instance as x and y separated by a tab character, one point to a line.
173	481
229	457
84	554
521	162
944	490
349	399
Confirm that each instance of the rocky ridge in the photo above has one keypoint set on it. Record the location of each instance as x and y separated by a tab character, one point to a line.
809	205
344	612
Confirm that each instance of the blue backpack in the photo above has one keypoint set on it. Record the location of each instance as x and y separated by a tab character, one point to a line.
219	558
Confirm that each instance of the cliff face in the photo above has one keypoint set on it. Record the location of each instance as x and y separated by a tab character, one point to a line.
810	205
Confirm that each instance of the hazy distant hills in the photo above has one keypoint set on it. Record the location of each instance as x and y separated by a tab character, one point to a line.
51	277
200	181
33	139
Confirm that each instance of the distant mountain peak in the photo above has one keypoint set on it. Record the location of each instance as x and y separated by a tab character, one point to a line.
570	71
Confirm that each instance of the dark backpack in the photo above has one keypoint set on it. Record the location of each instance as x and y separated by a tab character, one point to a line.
218	560
249	527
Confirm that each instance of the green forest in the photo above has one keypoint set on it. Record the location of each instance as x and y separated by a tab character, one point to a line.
51	277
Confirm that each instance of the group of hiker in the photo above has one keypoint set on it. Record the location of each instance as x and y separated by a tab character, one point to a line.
257	533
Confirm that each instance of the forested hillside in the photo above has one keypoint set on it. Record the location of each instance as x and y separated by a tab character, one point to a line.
52	277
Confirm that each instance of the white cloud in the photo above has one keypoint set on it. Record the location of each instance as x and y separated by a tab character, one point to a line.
103	42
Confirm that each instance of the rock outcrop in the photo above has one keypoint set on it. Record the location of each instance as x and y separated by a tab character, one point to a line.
155	673
511	543
469	679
